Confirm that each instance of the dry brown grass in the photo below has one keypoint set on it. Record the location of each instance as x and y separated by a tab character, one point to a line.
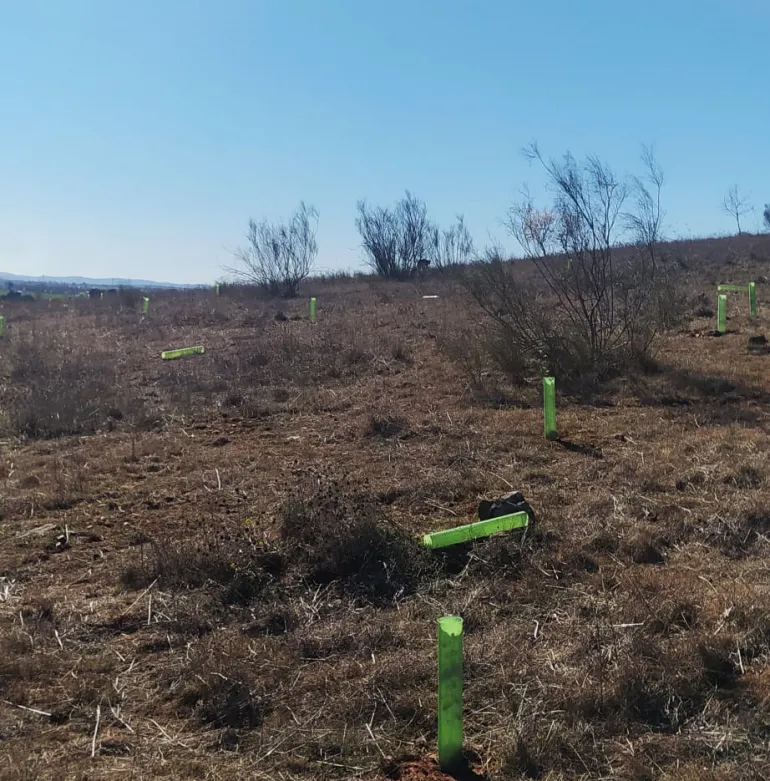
227	571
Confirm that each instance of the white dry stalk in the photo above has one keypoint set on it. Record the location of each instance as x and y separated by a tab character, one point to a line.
6	588
96	730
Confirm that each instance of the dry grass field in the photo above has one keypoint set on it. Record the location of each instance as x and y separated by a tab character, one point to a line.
210	568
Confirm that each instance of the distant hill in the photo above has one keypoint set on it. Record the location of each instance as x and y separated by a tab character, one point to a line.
89	281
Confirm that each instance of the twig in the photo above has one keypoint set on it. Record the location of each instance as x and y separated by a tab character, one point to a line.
219	481
440	507
116	715
139	597
167	736
96	730
24	707
371	734
500	477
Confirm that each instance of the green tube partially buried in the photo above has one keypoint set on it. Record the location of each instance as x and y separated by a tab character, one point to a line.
752	299
721	313
182	351
549	407
450	691
472	531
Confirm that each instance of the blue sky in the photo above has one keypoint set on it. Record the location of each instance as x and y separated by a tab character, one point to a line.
139	137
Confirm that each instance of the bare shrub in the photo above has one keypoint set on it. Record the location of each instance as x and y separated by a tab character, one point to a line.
278	256
452	247
234	560
58	386
338	536
599	305
395	241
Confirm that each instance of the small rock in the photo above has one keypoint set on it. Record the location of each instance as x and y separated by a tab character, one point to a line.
513	503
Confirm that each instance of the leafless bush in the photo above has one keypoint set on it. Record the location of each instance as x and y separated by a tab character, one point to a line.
233	559
337	536
279	256
58	386
395	240
452	247
601	304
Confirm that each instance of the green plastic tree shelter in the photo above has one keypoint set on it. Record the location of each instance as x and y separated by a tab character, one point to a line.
450	691
751	289
549	407
2	324
145	305
721	313
182	351
472	531
312	309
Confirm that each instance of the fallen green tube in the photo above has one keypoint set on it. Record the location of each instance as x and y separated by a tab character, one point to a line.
732	288
472	531
169	354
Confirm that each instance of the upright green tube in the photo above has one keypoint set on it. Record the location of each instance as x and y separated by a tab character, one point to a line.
312	309
753	299
216	287
450	691
721	313
549	407
2	324
145	305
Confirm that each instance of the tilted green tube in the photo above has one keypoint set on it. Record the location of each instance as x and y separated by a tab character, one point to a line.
549	407
752	299
472	531
169	354
450	691
721	313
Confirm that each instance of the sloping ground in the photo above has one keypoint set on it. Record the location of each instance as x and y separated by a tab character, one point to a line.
223	582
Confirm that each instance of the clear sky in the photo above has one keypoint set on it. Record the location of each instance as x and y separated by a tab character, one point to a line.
138	137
